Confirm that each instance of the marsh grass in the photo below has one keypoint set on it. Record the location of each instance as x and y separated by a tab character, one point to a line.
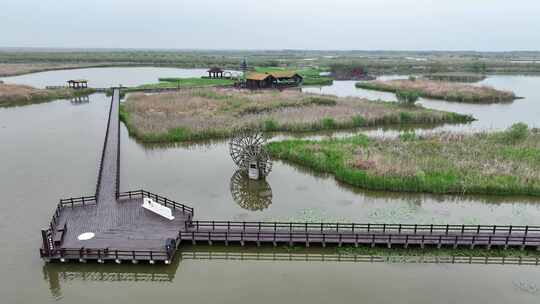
212	113
503	163
441	90
18	95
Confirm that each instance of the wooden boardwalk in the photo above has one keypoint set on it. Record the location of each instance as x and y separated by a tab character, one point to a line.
124	231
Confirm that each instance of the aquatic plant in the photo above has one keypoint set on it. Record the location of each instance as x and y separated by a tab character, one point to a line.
407	97
17	95
193	114
437	163
441	90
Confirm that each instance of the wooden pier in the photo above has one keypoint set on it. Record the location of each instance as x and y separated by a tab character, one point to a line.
125	232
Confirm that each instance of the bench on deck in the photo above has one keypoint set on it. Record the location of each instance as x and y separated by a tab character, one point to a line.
59	235
159	209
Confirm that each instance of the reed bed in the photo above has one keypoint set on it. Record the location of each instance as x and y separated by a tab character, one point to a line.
15	95
502	163
216	112
449	91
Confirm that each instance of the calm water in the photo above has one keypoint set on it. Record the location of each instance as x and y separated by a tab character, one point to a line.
51	150
489	117
104	77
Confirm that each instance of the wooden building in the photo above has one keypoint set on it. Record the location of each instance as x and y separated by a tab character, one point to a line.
287	78
215	72
282	79
259	81
78	84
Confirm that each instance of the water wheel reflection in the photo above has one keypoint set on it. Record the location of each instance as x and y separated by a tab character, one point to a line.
254	195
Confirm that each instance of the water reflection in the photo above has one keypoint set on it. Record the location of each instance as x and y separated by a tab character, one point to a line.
61	276
253	195
80	100
57	274
104	77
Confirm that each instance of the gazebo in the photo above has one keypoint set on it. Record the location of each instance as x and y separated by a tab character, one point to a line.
215	72
78	83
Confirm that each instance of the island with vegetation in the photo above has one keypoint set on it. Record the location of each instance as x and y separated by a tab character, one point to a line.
181	83
449	91
193	114
18	95
502	163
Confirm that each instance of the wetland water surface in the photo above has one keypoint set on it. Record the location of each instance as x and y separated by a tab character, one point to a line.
489	116
52	150
104	77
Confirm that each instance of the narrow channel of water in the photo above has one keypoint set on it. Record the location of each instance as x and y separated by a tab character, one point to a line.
489	116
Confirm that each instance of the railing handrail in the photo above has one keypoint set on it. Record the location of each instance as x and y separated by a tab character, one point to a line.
159	199
358	227
104	146
332	234
105	253
76	201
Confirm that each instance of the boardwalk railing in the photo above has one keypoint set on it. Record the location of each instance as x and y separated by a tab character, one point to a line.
106	254
360	238
361	234
98	183
159	199
78	201
357	228
48	234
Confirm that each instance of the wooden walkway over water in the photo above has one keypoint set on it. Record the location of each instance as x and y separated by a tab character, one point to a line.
124	231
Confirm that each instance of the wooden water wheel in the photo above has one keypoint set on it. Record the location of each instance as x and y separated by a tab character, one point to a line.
247	148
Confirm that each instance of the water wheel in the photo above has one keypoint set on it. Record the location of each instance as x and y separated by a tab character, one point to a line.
247	148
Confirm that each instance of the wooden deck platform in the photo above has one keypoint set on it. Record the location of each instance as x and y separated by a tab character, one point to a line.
124	231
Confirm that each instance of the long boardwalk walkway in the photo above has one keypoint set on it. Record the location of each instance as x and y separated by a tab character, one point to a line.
124	231
108	181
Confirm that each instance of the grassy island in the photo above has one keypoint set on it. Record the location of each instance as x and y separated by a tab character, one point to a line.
502	163
174	83
449	91
18	95
213	112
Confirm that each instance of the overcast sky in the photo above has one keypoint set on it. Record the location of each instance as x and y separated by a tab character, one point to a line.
483	25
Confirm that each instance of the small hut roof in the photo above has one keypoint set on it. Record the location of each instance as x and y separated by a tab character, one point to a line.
284	74
215	70
257	76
